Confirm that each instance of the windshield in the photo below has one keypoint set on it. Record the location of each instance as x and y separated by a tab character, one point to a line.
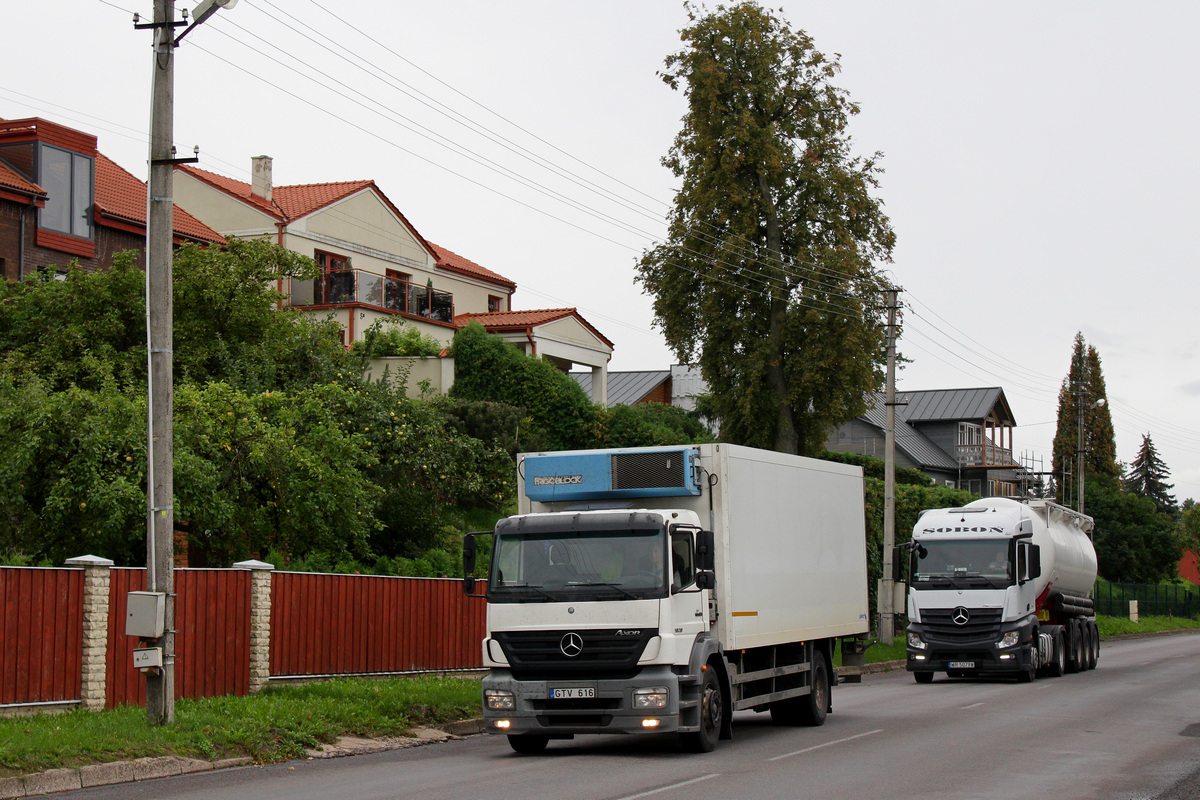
578	565
975	563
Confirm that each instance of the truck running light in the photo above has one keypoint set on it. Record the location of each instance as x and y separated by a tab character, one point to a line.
503	723
498	699
655	697
649	723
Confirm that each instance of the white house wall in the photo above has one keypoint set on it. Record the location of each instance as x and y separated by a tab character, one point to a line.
218	210
366	220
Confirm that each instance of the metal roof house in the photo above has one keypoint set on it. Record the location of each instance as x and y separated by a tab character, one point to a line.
958	437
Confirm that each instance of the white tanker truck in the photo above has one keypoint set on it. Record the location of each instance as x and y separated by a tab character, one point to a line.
1001	586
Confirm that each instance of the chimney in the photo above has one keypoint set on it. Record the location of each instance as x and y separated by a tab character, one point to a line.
260	176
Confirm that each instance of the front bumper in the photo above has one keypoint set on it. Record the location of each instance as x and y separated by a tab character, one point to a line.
970	654
611	710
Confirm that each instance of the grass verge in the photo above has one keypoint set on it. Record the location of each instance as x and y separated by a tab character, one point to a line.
276	725
1121	626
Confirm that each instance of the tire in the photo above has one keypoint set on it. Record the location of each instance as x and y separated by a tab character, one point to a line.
1028	675
1074	647
1094	642
528	743
712	716
816	705
923	677
1058	657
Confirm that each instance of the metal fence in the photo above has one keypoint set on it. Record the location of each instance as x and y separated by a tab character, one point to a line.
1113	599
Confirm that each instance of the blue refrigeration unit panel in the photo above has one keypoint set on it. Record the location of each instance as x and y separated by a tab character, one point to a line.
612	474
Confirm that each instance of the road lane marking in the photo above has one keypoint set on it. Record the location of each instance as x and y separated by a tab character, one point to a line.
826	744
669	787
973	705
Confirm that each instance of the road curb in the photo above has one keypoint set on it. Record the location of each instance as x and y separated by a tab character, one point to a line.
112	772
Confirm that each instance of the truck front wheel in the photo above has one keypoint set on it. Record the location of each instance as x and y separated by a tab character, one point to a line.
712	716
528	743
923	677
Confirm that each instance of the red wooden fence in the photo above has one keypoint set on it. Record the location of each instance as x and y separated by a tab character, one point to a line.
212	635
347	624
41	628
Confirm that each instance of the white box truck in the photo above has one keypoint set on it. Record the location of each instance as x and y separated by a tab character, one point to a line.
1001	587
658	590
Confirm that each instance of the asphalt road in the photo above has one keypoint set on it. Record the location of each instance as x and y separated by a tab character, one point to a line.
1129	729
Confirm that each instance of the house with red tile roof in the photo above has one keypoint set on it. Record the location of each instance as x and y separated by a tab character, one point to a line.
377	266
62	200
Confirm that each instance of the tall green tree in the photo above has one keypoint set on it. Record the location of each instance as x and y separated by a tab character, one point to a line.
767	277
1084	385
1135	543
1148	478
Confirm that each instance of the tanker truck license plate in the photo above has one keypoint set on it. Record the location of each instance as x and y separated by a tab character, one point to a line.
572	693
962	665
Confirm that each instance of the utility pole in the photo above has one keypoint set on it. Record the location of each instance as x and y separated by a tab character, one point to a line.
886	599
160	230
160	487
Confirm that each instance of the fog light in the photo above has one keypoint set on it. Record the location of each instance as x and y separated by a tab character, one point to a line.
655	697
918	657
1007	656
650	723
497	699
503	723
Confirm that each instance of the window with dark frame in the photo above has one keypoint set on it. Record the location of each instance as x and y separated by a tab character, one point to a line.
494	304
67	179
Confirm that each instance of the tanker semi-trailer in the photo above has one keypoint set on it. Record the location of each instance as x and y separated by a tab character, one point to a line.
1001	587
658	590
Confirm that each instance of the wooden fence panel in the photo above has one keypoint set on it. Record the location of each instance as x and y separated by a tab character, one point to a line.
355	624
212	638
41	626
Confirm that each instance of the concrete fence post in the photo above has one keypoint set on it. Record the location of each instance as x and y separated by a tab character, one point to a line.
260	622
93	684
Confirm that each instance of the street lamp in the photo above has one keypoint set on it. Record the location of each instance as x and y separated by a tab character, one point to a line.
1079	444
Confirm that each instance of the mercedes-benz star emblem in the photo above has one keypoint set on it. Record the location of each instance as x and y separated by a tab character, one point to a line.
571	645
960	616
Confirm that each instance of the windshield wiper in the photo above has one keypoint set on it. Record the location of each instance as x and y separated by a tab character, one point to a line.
537	589
628	594
990	581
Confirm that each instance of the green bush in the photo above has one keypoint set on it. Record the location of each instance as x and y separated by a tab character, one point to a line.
392	337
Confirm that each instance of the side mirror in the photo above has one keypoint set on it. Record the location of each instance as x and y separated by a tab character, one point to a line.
468	554
705	552
469	585
706	580
1035	561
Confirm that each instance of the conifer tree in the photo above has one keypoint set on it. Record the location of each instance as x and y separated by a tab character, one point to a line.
1084	384
1148	478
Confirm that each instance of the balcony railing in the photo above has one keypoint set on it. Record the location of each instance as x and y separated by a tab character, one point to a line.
984	455
389	294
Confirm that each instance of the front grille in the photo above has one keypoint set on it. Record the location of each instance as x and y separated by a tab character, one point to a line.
648	470
939	625
539	654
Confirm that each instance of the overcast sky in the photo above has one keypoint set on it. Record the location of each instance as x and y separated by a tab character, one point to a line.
1040	160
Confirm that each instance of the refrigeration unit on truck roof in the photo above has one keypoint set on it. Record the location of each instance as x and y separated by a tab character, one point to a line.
612	474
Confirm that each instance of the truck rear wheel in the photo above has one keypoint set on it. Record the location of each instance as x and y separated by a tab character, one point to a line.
813	711
528	743
1058	656
712	716
1093	644
1074	646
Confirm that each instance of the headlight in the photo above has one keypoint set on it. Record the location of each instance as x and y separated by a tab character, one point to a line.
497	699
914	641
655	697
1009	639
